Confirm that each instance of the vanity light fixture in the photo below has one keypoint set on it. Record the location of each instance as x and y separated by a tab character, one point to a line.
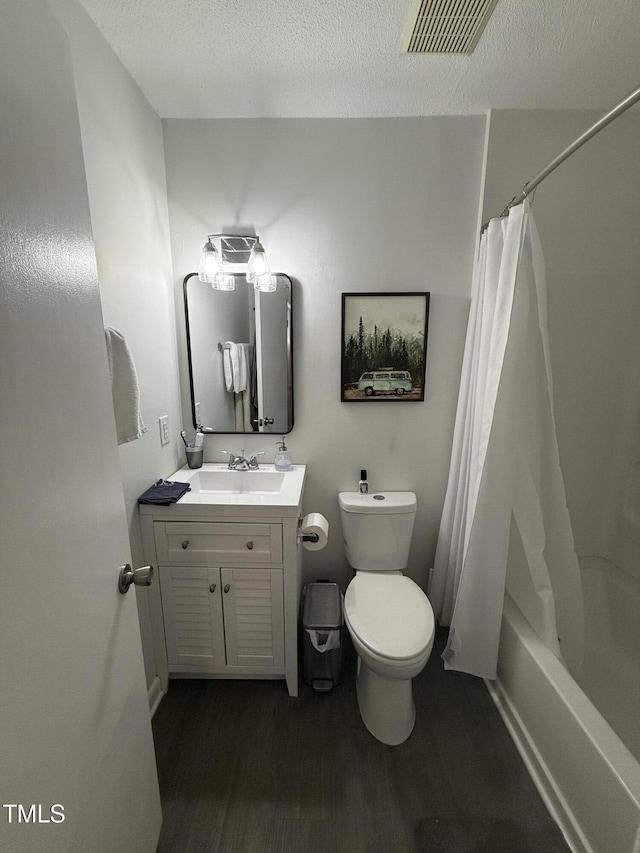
235	253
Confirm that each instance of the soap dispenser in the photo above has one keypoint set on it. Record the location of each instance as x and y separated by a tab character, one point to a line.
282	460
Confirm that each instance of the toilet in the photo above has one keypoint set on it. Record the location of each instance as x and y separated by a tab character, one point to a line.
389	617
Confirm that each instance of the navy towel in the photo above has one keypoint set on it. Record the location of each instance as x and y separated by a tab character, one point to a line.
164	492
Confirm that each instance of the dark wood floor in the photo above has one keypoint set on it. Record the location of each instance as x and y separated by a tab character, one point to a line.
246	769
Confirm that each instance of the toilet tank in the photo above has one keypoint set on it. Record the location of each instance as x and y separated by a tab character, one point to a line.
377	529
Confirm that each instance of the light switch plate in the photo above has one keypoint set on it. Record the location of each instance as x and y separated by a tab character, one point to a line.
165	435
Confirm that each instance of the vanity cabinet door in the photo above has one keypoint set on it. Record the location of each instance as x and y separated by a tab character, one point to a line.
253	617
193	621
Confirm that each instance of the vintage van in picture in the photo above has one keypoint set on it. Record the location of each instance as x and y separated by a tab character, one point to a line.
385	381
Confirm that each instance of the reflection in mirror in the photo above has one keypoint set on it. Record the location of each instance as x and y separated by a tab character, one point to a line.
240	358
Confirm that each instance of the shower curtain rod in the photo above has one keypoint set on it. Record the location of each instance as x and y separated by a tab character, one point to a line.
629	101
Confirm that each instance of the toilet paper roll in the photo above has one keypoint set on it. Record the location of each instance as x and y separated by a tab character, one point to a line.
316	523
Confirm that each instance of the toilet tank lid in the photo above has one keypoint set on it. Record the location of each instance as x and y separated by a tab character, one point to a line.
378	502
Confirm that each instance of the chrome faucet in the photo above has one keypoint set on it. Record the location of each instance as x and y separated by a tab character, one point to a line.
240	463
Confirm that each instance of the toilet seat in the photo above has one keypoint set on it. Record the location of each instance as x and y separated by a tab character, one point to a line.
390	615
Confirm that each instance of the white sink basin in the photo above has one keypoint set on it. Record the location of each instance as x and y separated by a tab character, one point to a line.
216	484
228	482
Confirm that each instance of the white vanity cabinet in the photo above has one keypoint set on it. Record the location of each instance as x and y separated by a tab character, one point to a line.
226	596
227	612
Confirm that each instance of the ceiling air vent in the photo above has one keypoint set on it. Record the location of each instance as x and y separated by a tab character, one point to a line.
447	26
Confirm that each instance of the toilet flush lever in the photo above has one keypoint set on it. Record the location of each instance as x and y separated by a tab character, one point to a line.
140	577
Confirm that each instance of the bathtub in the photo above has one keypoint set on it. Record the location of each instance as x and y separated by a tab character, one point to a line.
588	778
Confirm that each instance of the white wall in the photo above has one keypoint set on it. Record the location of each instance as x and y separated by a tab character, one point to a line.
124	162
344	205
587	213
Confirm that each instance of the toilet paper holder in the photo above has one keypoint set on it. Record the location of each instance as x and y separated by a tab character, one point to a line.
306	537
313	537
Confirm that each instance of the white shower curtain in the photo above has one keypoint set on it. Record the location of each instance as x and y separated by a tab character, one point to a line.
505	494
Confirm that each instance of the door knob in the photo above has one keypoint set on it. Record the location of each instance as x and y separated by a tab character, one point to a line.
140	577
227	587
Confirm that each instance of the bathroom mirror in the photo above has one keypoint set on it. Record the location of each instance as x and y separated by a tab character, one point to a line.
240	356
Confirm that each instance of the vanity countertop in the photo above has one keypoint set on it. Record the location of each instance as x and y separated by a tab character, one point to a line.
263	492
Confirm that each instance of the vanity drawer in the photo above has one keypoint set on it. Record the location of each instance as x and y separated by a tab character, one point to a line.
217	543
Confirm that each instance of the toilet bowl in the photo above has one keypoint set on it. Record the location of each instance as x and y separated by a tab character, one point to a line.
388	616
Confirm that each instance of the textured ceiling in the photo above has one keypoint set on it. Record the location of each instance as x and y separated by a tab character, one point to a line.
257	58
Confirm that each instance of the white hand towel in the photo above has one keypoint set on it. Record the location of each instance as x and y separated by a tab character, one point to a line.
227	366
124	388
242	409
235	366
242	371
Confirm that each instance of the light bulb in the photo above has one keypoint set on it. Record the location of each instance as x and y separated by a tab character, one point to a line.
209	265
223	281
257	265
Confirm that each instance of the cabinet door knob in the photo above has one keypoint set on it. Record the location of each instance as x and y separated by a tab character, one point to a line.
227	587
250	545
212	588
185	544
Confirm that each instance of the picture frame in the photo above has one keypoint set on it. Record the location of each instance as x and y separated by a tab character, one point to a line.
384	346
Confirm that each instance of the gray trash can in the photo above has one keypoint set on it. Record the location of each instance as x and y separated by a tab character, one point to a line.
321	642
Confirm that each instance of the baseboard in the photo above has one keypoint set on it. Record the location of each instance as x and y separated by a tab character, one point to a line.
155	694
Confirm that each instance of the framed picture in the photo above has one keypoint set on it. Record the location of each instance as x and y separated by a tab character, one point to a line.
384	346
